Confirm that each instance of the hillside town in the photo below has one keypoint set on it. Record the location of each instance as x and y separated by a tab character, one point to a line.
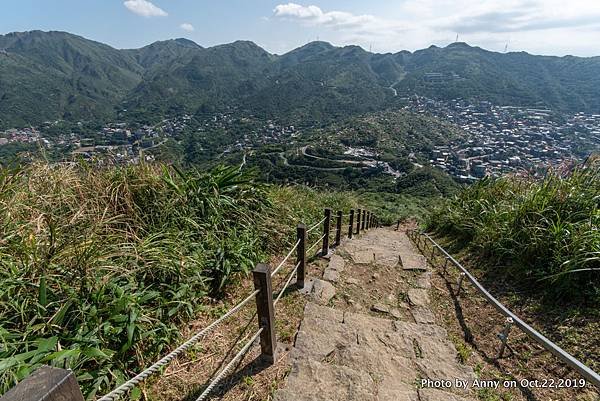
503	139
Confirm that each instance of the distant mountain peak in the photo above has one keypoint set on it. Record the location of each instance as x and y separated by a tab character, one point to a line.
186	42
460	45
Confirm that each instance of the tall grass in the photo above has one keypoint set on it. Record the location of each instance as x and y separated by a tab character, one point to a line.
544	232
99	267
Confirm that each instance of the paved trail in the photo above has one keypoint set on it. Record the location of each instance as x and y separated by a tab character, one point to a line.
368	332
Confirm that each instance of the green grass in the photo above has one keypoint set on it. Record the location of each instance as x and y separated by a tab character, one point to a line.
99	267
541	232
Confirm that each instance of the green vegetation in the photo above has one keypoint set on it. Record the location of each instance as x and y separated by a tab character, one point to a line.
315	83
99	267
541	232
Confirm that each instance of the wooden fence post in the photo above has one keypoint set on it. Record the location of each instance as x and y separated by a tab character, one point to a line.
338	228
358	221
326	229
266	312
351	225
367	225
362	223
301	255
47	384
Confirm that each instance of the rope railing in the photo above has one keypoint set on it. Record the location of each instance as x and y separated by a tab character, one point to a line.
265	300
131	383
231	363
567	358
285	259
316	243
287	283
316	225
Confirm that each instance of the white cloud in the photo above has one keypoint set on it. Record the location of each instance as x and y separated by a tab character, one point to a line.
144	8
187	27
537	26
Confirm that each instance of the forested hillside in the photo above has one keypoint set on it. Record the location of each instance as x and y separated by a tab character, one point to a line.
57	75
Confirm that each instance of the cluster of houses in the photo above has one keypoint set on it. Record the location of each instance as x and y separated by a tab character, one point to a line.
503	139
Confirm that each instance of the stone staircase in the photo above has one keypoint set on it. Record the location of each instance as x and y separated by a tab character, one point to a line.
368	332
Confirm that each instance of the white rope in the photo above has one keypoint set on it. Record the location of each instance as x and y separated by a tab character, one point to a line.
285	259
287	283
235	359
315	244
131	383
316	225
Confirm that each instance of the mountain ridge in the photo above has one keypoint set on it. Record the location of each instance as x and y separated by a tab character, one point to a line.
58	75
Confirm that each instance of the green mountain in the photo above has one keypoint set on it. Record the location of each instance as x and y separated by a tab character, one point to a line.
52	75
563	83
57	75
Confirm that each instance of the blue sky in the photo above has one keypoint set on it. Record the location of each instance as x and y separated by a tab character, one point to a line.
551	27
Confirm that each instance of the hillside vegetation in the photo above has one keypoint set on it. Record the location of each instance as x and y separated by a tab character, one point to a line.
56	75
543	233
99	267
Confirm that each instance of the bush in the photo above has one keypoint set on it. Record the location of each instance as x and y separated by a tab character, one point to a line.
98	267
544	231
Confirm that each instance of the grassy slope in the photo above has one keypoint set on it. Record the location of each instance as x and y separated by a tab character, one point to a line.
542	232
98	268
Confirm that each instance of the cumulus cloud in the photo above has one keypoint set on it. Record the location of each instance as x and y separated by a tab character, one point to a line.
144	8
187	27
335	19
542	26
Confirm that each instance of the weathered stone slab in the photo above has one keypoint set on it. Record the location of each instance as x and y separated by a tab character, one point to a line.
391	389
351	280
331	275
414	329
411	261
337	263
418	297
387	258
358	321
437	348
322	292
318	338
315	381
312	310
430	394
422	315
363	257
439	369
424	281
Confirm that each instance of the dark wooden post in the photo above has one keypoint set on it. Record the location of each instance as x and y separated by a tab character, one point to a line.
266	312
338	228
326	229
48	384
301	255
362	223
367	220
351	225
398	225
358	221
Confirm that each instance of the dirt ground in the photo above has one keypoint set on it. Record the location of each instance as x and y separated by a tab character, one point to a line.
474	326
187	376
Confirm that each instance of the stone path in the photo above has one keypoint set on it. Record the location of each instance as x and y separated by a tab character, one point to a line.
346	351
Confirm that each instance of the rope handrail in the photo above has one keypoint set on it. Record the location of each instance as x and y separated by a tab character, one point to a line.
131	383
287	283
567	358
266	299
316	243
233	361
316	225
285	259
